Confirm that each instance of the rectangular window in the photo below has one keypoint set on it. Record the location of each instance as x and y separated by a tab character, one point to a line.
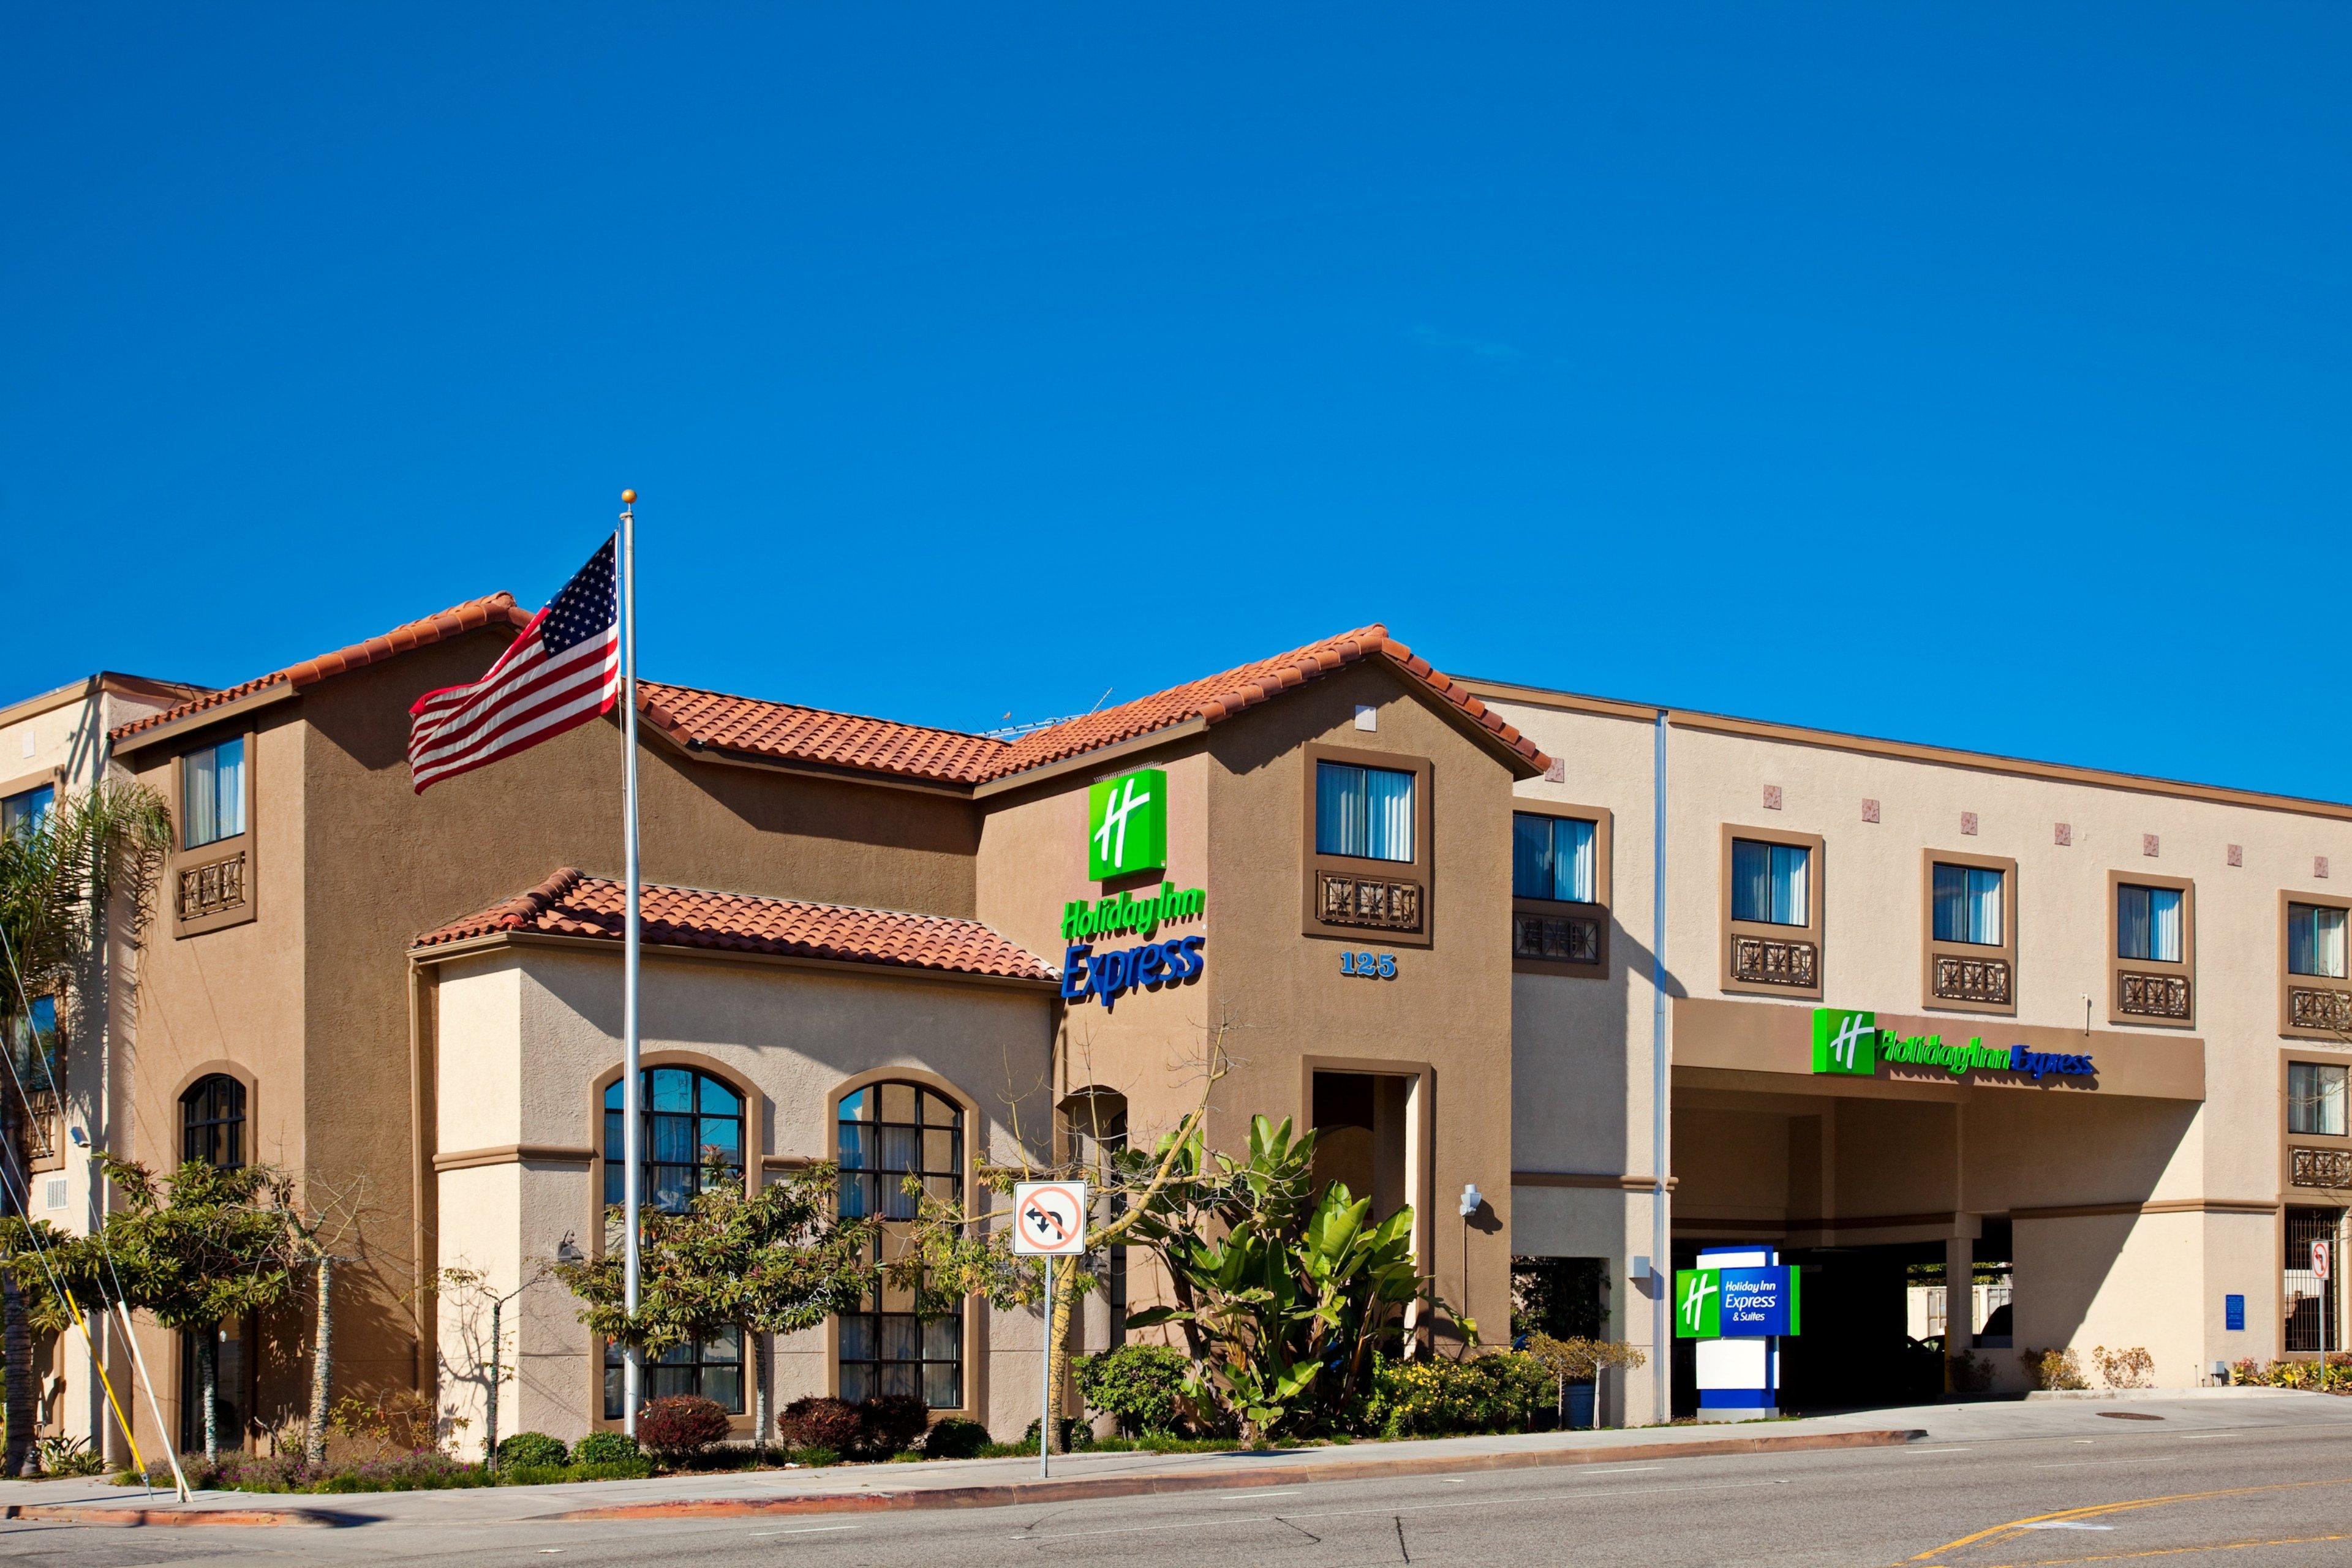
1770	883
1363	812
2315	1099
24	813
1551	858
2315	941
212	794
2147	923
1968	904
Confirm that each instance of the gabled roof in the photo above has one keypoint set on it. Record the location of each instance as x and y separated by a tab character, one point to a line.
777	731
498	609
782	731
1219	697
572	904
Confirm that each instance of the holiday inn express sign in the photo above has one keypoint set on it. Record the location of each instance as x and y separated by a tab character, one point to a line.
1849	1042
1126	836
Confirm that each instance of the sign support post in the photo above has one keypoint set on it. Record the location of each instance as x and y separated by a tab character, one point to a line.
1049	1221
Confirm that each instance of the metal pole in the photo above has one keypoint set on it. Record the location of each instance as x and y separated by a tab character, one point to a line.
163	1433
632	1111
1045	1380
490	1417
1661	1263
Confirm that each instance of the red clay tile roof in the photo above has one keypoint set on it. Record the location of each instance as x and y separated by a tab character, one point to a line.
498	609
1222	696
782	730
572	904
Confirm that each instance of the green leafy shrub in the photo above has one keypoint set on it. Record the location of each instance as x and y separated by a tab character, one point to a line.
68	1457
821	1422
817	1458
606	1448
891	1423
680	1426
427	1469
535	1449
1142	1385
954	1439
1430	1398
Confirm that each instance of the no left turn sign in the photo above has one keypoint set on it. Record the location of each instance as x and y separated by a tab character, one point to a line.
1049	1218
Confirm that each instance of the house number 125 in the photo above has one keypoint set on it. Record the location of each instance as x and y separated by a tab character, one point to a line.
1370	966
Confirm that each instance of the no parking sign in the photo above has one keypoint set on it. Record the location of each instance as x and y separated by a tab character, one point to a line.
2320	1257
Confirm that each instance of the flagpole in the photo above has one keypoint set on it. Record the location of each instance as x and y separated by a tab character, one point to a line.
632	1113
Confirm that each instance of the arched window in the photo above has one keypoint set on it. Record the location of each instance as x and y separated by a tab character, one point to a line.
886	1132
212	1122
689	1118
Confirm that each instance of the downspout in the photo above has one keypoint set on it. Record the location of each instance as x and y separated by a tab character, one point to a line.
1662	1272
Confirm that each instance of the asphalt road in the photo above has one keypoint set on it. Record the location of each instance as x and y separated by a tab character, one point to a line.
2271	1497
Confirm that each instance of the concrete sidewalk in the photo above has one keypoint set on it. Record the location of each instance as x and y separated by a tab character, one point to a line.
980	1483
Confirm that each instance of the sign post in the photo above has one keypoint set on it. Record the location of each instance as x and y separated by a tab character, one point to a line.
1049	1221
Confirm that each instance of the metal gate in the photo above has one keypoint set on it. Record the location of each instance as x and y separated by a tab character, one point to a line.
2311	1323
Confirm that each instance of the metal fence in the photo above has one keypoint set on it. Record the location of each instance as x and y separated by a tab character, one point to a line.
2312	1323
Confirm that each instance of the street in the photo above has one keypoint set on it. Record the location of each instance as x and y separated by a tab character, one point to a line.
2140	1487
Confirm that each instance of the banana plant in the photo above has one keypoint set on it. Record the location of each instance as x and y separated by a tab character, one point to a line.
1283	1294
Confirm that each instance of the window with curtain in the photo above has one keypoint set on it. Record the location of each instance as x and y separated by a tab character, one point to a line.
886	1132
1968	904
1771	883
1363	812
26	811
2315	1099
712	1368
212	794
2148	923
1551	858
2315	941
212	1122
689	1118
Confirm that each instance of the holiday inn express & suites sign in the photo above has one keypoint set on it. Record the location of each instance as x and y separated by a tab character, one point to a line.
1736	1303
1849	1042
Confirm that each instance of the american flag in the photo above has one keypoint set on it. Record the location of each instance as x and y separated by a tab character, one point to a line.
563	670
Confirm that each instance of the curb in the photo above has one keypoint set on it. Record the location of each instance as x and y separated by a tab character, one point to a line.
1006	1494
72	1513
2231	1391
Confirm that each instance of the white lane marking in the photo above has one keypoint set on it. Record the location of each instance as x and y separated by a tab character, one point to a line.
804	1530
1417	1508
1244	1497
1961	1450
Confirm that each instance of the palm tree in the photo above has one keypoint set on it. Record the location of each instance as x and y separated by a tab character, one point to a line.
62	876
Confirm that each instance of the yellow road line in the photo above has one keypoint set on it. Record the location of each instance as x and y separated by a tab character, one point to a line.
2093	1510
2177	1551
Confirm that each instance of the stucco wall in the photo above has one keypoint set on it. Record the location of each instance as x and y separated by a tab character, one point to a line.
525	1034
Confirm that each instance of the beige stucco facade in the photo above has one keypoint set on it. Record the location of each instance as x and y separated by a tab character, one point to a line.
2130	1204
451	1093
527	1037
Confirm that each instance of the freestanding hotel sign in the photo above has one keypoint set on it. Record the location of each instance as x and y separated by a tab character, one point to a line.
1738	1304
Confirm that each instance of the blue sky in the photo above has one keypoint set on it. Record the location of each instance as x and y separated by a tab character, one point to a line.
1974	375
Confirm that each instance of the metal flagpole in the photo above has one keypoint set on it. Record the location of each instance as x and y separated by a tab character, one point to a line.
632	1113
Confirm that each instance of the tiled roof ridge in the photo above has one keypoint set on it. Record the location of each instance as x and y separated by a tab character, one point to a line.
572	903
457	619
1215	698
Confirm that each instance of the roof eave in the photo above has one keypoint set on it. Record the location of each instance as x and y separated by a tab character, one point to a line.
187	723
425	955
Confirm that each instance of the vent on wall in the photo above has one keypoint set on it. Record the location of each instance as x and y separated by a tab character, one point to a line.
53	1192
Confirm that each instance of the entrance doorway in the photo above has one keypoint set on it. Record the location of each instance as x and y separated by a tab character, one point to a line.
1361	1136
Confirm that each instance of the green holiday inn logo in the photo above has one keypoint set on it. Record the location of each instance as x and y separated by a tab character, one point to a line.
1126	824
1698	1303
1845	1041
